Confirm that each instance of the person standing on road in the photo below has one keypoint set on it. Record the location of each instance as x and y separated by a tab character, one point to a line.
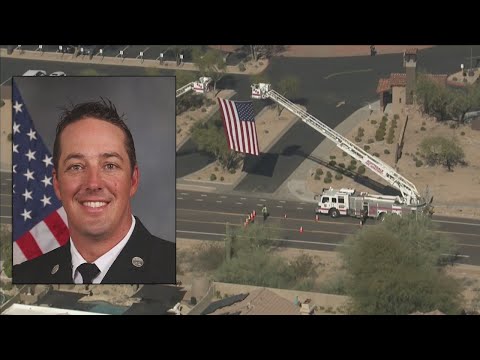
264	213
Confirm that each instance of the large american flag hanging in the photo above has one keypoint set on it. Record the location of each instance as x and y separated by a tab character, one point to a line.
39	220
239	124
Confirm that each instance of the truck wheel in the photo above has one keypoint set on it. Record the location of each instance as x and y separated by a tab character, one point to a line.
334	213
381	217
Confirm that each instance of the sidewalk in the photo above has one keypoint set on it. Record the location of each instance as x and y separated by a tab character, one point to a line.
250	68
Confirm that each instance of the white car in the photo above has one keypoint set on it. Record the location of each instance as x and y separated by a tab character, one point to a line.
58	73
35	73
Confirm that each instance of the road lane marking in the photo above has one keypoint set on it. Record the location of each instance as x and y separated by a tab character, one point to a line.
203	195
179	198
223	197
455	222
218	201
243	198
183	193
198	199
299	208
276	217
456	233
282	201
346	73
279	228
263	200
279	206
260	205
238	203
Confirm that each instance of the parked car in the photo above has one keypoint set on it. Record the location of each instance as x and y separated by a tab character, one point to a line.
58	73
35	73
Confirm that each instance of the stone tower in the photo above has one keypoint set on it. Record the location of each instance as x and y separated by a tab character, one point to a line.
410	64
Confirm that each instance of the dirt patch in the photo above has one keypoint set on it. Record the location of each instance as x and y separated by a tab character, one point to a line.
269	126
345	50
185	120
455	193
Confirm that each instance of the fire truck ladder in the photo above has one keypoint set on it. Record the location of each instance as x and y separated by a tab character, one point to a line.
200	86
410	195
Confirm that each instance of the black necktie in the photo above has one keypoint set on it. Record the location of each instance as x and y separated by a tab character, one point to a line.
88	272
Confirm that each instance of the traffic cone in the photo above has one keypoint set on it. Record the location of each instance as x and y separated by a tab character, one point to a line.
254	213
285	216
301	229
316	217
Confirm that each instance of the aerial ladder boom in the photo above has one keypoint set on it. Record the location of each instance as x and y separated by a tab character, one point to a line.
410	195
201	86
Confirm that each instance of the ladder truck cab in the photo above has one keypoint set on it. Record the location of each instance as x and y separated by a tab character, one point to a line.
202	86
349	202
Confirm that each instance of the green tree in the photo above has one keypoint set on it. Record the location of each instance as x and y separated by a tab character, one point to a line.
184	77
288	87
438	150
211	139
211	64
432	96
397	267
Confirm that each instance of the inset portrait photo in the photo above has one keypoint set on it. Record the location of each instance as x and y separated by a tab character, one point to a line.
93	180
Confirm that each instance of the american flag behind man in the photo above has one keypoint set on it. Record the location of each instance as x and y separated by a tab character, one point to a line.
39	220
239	124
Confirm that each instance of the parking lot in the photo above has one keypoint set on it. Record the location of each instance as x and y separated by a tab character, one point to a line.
147	52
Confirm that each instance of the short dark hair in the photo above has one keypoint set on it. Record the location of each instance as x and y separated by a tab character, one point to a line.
102	110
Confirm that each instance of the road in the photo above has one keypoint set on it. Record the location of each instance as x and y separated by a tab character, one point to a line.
204	216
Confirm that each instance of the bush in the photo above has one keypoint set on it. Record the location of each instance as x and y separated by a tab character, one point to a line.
418	163
332	163
396	117
376	154
358	139
317	177
215	168
361	170
424	123
351	167
453	126
353	162
342	165
329	174
242	67
423	128
386	151
344	153
222	178
232	171
462	133
332	157
373	122
213	177
366	147
327	180
338	176
370	141
319	172
439	150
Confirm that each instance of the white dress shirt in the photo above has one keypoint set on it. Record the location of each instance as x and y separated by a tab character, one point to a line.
103	263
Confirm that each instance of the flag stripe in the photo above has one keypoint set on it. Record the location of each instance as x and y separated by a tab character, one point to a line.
57	227
44	237
238	127
29	246
226	124
18	255
255	141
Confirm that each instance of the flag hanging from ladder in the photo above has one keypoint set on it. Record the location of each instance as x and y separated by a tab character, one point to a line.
239	125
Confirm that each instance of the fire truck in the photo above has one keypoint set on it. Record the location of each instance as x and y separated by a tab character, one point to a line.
349	202
202	86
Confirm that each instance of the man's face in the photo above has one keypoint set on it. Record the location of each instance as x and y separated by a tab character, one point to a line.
94	180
